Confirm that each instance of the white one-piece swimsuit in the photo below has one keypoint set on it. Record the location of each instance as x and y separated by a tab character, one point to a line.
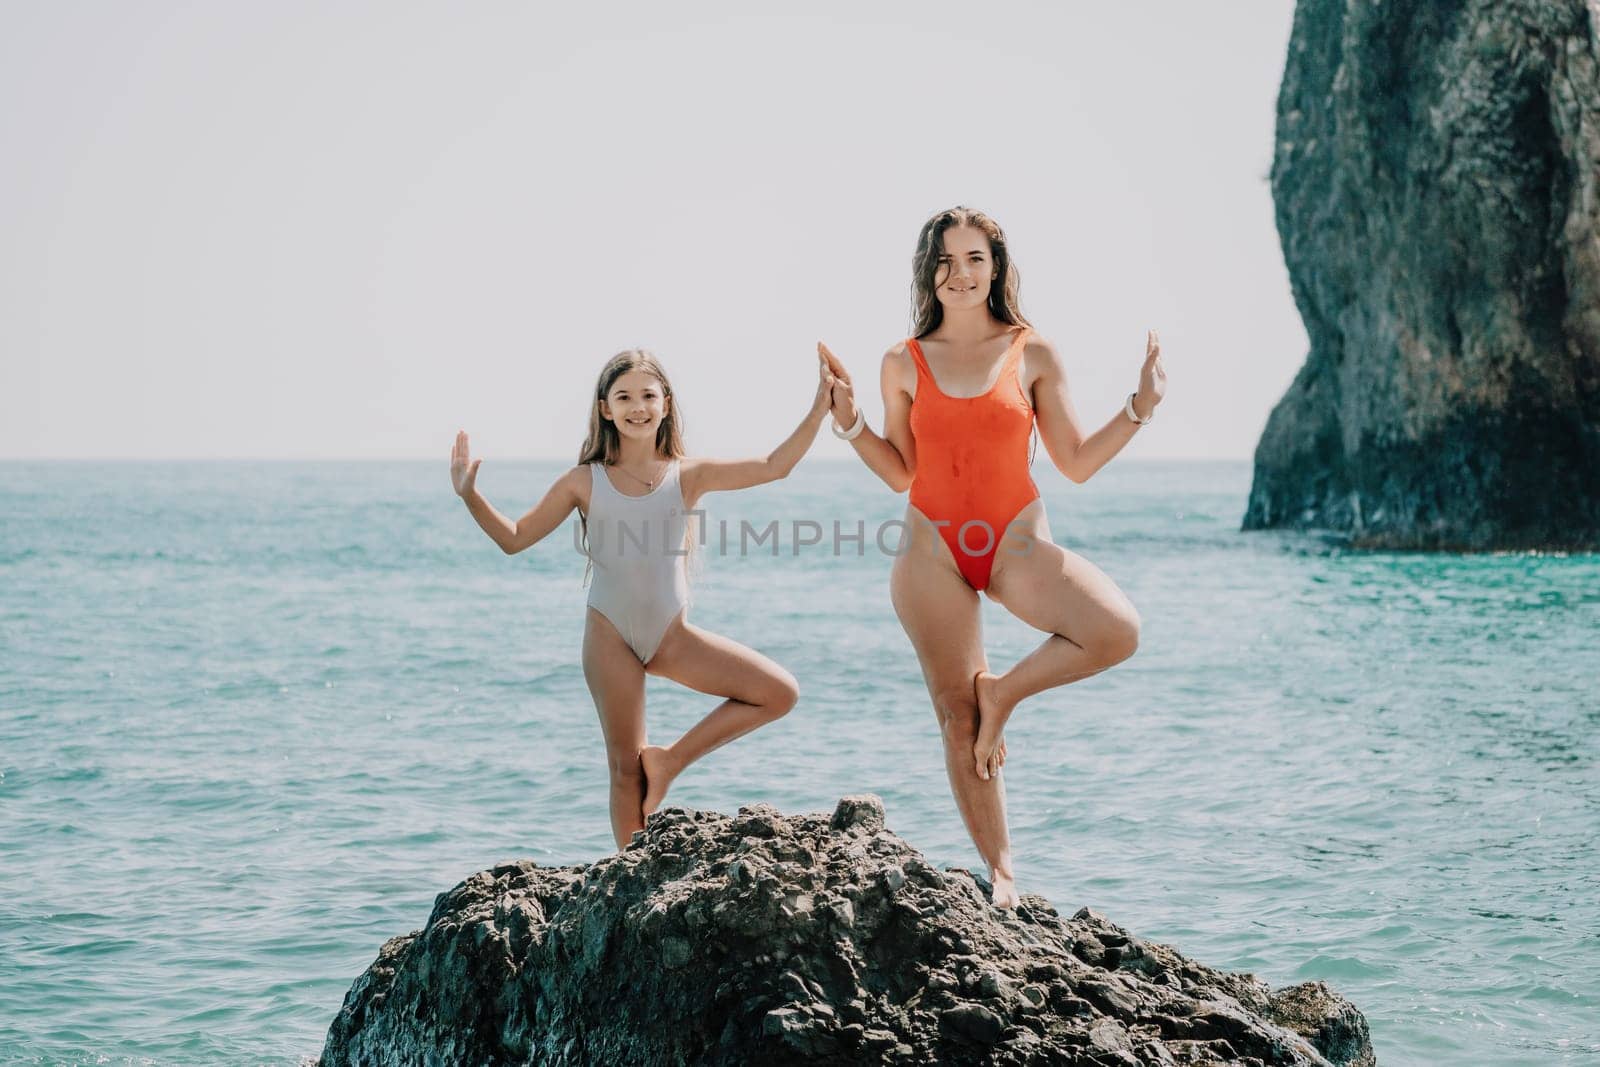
639	551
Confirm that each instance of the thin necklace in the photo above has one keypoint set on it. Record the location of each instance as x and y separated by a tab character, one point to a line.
651	484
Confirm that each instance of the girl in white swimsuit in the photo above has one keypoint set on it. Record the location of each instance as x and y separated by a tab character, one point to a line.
634	489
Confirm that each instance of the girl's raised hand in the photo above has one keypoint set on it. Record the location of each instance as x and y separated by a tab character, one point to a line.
844	397
834	365
463	468
824	398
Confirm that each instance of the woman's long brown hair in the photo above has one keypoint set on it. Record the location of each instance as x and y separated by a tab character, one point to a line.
926	311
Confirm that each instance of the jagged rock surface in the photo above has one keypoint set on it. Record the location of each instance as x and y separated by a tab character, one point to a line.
1437	187
761	938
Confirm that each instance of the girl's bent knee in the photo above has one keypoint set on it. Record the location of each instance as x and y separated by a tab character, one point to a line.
785	695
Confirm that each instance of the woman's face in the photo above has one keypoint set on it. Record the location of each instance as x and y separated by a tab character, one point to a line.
966	269
636	404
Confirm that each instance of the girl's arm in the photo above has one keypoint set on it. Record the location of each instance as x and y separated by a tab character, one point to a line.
892	457
700	476
1074	455
533	527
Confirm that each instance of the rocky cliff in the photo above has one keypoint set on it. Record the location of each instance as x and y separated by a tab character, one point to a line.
1437	187
761	938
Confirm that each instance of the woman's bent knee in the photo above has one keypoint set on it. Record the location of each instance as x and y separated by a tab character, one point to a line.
1120	639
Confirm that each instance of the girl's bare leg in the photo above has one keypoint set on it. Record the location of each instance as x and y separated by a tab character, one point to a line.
616	681
939	611
1092	626
757	691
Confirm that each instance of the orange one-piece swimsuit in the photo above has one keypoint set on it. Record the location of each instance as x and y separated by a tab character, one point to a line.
972	461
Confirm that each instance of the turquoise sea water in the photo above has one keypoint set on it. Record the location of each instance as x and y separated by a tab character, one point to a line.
253	717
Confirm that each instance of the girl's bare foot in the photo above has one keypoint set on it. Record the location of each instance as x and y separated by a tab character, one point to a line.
1005	888
989	751
659	771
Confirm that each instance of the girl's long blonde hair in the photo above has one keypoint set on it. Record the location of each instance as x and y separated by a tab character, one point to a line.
604	443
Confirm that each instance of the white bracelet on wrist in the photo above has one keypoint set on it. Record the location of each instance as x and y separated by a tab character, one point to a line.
1127	409
854	431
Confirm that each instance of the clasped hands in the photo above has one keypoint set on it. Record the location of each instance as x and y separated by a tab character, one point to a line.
843	400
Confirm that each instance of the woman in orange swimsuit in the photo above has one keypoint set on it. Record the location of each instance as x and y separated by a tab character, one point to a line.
961	398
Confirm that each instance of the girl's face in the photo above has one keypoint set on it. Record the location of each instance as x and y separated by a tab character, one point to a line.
636	404
966	269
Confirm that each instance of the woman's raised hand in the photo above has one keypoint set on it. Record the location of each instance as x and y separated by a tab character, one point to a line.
463	468
1152	376
824	398
844	397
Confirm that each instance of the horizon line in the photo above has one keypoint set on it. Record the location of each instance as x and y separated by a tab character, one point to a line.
498	459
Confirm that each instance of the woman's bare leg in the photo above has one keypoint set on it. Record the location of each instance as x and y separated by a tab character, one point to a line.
939	611
616	682
757	691
1092	626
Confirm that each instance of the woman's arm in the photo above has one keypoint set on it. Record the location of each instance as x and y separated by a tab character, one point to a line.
701	476
892	457
533	527
1074	455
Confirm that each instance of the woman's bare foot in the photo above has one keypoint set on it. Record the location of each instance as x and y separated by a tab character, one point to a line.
1005	888
989	751
659	771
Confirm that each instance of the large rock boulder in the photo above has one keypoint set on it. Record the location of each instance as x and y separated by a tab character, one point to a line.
1437	184
760	938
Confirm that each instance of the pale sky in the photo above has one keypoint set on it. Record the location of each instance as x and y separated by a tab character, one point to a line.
308	230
